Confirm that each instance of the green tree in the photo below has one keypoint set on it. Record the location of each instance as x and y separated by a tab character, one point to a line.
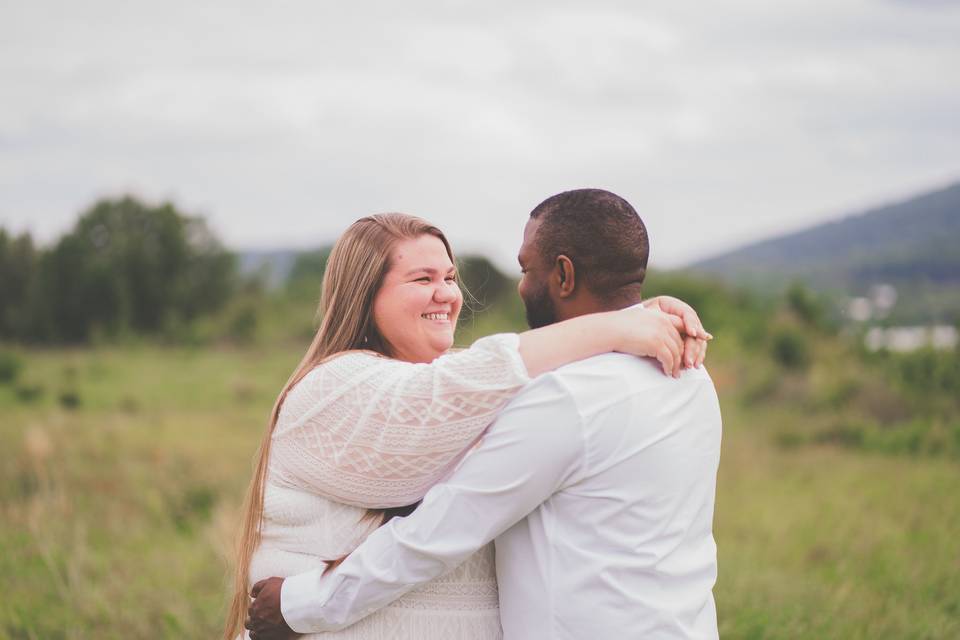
805	305
483	280
306	274
791	348
18	270
130	266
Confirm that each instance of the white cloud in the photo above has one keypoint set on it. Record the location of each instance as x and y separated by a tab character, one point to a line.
721	123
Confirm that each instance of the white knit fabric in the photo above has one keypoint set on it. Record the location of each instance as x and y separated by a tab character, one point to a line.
362	431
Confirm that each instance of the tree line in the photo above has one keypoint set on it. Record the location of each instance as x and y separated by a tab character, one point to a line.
128	268
124	267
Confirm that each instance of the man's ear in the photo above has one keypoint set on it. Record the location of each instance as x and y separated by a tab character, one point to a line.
566	276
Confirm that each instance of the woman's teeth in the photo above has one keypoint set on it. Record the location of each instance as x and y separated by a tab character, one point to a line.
436	316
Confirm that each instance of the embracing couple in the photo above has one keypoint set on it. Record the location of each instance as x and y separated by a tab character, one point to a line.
557	483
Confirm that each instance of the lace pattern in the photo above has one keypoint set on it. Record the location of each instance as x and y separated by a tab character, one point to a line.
361	431
375	432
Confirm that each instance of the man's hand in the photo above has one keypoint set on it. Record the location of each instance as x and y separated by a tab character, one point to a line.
264	619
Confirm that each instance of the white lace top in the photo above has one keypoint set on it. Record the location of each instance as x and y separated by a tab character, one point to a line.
362	431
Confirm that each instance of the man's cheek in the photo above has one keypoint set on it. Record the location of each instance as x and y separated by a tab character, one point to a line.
522	290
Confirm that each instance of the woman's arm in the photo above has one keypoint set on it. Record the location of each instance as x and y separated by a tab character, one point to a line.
638	331
376	432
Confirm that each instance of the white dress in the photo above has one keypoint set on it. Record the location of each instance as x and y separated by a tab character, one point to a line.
362	431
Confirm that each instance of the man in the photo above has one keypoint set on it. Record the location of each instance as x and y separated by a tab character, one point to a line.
597	481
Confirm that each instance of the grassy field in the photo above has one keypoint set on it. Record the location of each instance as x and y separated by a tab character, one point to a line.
123	470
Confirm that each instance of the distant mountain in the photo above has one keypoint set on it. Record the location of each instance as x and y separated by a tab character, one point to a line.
913	245
273	266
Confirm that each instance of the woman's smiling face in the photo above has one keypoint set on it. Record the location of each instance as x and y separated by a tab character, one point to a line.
417	306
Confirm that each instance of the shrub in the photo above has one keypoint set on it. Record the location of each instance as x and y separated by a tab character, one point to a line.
841	393
919	436
805	305
243	323
69	399
193	507
929	372
10	367
845	433
29	393
791	349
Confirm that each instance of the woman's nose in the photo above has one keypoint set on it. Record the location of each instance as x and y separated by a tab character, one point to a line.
445	292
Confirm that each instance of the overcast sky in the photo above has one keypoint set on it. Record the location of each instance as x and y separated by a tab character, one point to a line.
282	122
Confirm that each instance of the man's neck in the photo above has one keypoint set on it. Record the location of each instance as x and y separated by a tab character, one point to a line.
623	303
594	305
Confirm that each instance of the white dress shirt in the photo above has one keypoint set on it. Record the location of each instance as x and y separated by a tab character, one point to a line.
597	482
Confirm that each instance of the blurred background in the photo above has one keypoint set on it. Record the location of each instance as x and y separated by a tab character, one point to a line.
173	175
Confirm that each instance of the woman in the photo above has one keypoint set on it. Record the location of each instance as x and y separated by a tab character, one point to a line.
378	411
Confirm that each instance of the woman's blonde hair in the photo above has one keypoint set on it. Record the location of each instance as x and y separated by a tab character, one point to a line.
355	270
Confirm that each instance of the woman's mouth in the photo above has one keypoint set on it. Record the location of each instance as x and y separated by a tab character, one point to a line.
436	316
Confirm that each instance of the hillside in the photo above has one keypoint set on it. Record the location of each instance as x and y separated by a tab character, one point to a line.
913	245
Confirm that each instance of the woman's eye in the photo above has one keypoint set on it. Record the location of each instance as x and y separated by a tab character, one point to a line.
451	278
423	279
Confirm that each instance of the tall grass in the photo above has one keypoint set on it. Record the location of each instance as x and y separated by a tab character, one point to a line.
116	511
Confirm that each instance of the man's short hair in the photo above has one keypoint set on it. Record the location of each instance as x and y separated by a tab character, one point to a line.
601	234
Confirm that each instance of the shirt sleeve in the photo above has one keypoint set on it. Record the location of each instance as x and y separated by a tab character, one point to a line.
534	448
375	432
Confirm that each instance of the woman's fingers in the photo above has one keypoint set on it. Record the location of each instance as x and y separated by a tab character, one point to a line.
688	349
694	352
693	325
682	325
690	352
702	355
676	322
674	343
666	358
674	327
671	344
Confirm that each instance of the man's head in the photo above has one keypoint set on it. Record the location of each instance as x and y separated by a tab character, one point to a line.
583	251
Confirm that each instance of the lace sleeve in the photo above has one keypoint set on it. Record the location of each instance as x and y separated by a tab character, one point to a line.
376	432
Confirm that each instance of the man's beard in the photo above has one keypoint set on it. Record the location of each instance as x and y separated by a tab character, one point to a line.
540	308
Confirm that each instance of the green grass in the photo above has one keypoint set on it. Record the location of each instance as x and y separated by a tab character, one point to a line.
827	543
116	515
